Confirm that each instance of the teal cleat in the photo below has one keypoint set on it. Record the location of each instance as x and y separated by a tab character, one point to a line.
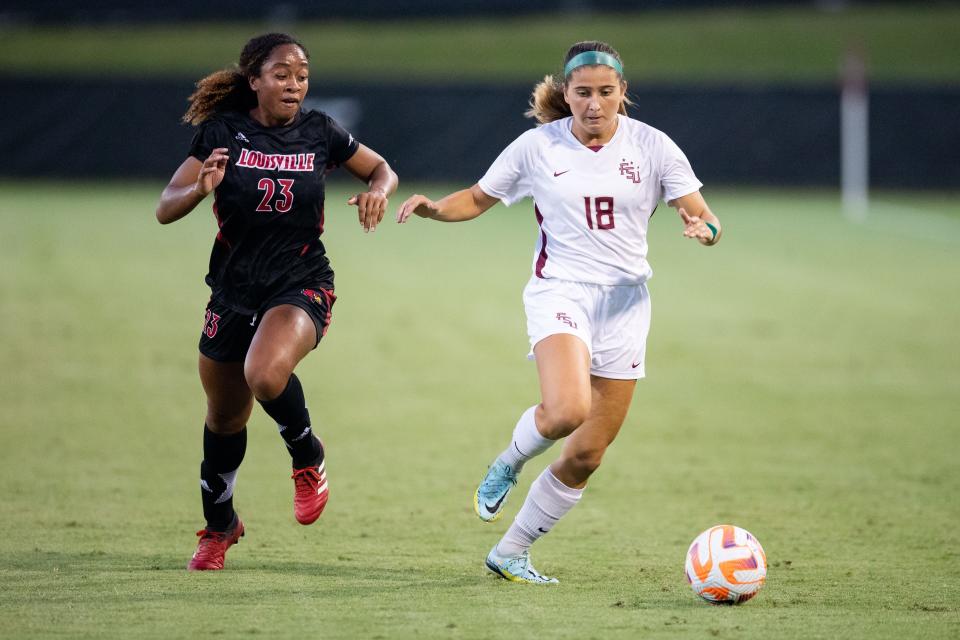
516	568
492	492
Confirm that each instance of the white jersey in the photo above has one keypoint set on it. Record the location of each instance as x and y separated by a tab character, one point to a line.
592	206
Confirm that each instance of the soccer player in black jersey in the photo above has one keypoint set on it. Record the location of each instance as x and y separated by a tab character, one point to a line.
264	158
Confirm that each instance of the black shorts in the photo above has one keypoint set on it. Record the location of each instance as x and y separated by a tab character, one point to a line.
227	334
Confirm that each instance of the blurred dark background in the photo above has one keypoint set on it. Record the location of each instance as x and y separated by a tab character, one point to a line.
753	97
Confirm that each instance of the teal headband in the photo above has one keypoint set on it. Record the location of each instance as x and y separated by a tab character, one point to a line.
592	57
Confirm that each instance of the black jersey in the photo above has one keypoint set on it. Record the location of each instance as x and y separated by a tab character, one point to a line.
269	205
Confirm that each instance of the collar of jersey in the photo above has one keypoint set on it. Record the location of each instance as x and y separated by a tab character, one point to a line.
616	135
297	119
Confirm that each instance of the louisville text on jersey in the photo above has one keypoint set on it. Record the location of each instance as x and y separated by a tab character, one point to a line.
276	161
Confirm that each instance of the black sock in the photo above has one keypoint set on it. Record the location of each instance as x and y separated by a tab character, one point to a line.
222	455
289	410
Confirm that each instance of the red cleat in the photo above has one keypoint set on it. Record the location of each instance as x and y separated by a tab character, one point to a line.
212	548
310	493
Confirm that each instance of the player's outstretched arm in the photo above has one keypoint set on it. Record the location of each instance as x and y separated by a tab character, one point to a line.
698	221
192	182
465	204
369	166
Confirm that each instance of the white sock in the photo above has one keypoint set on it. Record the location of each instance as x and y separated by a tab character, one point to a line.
548	501
527	442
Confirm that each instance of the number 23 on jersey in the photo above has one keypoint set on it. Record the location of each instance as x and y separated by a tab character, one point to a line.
284	201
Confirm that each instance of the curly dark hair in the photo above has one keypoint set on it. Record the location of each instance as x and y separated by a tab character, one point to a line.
229	89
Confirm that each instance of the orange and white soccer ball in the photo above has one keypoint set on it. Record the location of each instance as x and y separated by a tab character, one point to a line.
726	565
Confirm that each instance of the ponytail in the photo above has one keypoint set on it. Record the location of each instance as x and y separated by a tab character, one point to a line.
224	90
547	103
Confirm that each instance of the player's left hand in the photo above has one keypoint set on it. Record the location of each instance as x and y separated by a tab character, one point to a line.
371	206
695	227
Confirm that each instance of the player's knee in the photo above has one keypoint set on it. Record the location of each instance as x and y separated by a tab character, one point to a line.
266	381
582	464
560	419
225	422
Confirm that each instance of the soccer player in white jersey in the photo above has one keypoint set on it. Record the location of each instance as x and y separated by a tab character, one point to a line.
595	176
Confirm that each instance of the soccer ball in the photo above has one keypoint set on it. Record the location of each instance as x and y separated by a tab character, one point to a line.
726	565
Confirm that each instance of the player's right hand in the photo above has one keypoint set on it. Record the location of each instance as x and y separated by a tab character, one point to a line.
417	204
211	173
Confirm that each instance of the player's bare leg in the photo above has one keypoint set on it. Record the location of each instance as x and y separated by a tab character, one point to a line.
563	362
286	334
229	403
584	448
560	486
229	399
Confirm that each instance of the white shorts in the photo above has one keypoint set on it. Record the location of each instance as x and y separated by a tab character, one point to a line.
613	321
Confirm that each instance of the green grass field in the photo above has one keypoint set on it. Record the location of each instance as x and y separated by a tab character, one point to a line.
804	384
914	43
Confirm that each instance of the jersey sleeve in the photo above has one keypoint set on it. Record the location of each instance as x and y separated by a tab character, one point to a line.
509	177
342	144
676	175
210	135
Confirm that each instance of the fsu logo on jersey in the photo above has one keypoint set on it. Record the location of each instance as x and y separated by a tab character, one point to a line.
276	161
630	172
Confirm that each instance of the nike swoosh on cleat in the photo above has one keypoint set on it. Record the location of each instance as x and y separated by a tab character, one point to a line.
560	173
542	530
496	505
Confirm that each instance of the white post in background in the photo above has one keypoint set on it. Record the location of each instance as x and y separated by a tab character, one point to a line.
854	136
